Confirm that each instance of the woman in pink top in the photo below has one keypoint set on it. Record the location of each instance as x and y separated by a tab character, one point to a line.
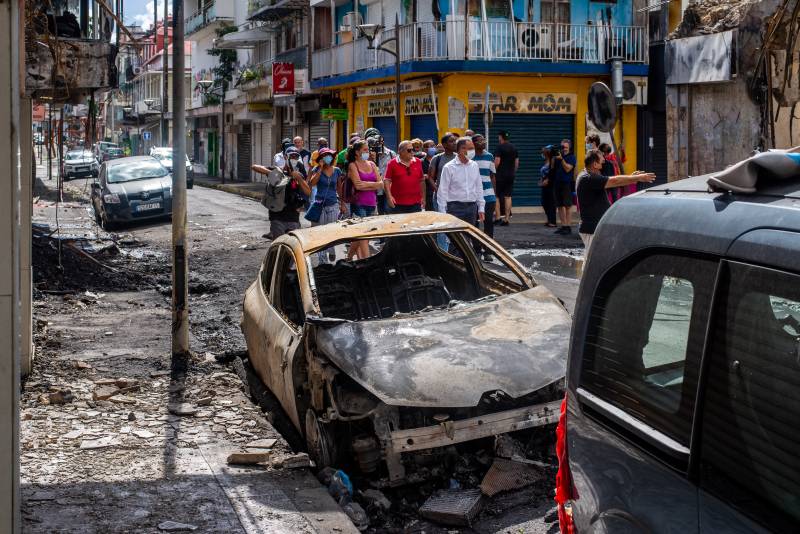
366	179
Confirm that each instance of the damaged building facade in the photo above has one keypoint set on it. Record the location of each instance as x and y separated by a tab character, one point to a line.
731	71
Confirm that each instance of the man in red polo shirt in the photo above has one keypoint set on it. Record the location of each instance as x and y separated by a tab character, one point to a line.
404	181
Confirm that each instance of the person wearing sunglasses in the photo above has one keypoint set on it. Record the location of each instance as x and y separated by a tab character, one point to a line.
404	181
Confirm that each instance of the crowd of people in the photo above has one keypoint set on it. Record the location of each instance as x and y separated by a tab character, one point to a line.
458	176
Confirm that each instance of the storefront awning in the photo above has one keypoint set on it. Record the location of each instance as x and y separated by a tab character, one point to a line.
243	38
279	10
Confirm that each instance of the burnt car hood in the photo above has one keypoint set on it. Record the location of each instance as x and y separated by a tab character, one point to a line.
449	358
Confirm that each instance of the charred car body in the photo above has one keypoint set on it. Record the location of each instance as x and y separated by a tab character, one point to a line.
419	347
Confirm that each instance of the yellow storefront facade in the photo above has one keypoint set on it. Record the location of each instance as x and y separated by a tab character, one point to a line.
537	109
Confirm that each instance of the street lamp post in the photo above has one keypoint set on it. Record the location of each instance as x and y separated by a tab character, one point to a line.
127	110
370	32
207	87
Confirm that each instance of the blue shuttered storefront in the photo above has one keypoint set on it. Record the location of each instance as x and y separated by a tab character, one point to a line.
529	133
424	127
386	125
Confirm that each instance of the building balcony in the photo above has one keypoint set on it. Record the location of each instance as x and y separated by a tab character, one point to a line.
83	65
205	20
487	47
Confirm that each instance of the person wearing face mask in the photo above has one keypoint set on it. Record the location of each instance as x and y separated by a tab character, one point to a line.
485	161
592	189
366	179
297	192
321	143
326	177
404	181
592	142
460	191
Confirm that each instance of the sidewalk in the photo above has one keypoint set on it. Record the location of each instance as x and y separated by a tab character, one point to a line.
527	229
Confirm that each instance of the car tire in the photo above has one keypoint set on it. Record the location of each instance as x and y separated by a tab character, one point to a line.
319	441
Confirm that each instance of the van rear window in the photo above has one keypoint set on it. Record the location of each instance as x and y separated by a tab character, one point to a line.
645	338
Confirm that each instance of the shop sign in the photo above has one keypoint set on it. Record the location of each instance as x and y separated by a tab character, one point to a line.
524	102
283	78
259	106
388	88
380	107
419	105
456	113
334	114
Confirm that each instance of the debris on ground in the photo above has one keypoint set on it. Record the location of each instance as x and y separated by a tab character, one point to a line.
248	457
376	499
173	526
508	475
357	515
293	461
453	507
59	396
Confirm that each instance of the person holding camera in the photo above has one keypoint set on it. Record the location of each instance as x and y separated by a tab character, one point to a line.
296	194
592	188
564	162
546	182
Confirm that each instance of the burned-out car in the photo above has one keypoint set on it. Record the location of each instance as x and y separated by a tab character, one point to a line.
417	348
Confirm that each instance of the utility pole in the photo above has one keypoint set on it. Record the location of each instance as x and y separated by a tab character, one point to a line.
50	143
164	85
180	270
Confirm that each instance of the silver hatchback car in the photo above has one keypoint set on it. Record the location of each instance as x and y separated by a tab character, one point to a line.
682	412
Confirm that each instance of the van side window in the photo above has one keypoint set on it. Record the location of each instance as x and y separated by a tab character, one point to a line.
751	411
645	337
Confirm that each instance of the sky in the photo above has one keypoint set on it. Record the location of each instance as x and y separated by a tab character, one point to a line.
140	12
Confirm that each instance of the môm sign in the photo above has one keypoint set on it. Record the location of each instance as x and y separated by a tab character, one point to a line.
381	107
523	102
419	104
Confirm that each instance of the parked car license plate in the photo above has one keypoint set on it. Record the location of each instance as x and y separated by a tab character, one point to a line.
81	169
149	206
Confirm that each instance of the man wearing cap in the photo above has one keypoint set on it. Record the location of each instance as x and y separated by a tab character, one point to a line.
404	181
288	219
506	160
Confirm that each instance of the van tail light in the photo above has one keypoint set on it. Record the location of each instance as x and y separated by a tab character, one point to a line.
564	489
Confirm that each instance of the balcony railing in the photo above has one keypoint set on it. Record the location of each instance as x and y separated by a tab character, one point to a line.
207	14
490	41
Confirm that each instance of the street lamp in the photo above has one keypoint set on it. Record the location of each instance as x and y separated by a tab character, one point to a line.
371	32
207	87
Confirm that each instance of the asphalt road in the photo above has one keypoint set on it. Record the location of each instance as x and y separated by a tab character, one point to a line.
226	247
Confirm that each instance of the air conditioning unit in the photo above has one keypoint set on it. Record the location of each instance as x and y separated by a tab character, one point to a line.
290	115
350	21
534	40
634	90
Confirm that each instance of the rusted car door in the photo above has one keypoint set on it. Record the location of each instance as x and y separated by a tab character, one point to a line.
277	317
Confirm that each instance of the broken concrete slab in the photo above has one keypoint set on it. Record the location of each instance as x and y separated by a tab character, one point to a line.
182	409
100	443
104	392
453	507
261	444
173	526
143	434
294	461
248	457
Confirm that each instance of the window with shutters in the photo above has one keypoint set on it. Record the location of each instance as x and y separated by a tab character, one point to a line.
555	11
750	432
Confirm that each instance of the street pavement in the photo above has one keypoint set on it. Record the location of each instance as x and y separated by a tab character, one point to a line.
186	456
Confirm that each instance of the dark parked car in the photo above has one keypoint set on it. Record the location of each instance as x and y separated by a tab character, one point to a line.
131	189
683	383
80	163
164	155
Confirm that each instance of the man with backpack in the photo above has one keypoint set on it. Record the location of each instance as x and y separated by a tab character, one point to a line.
439	161
287	191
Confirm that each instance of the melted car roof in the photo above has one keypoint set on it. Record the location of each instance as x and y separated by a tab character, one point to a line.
409	223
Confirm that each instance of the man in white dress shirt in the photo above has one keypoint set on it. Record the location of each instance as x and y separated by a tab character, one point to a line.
460	191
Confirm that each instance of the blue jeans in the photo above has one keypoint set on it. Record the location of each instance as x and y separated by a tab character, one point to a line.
362	211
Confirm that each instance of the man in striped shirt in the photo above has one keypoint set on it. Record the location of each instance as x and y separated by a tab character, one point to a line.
485	161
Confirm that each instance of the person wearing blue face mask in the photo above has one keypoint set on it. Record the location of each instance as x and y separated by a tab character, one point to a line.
326	178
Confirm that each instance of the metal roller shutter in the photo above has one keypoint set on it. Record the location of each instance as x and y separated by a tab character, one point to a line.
529	133
386	125
424	127
287	132
243	152
318	128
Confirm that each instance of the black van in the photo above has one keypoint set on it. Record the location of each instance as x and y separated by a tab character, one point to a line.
683	403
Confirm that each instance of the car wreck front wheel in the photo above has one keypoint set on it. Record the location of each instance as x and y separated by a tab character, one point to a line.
319	440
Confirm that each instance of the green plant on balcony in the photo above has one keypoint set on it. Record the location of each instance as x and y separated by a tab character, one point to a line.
211	100
227	59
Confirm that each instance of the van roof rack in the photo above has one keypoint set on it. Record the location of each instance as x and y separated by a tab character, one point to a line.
743	177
